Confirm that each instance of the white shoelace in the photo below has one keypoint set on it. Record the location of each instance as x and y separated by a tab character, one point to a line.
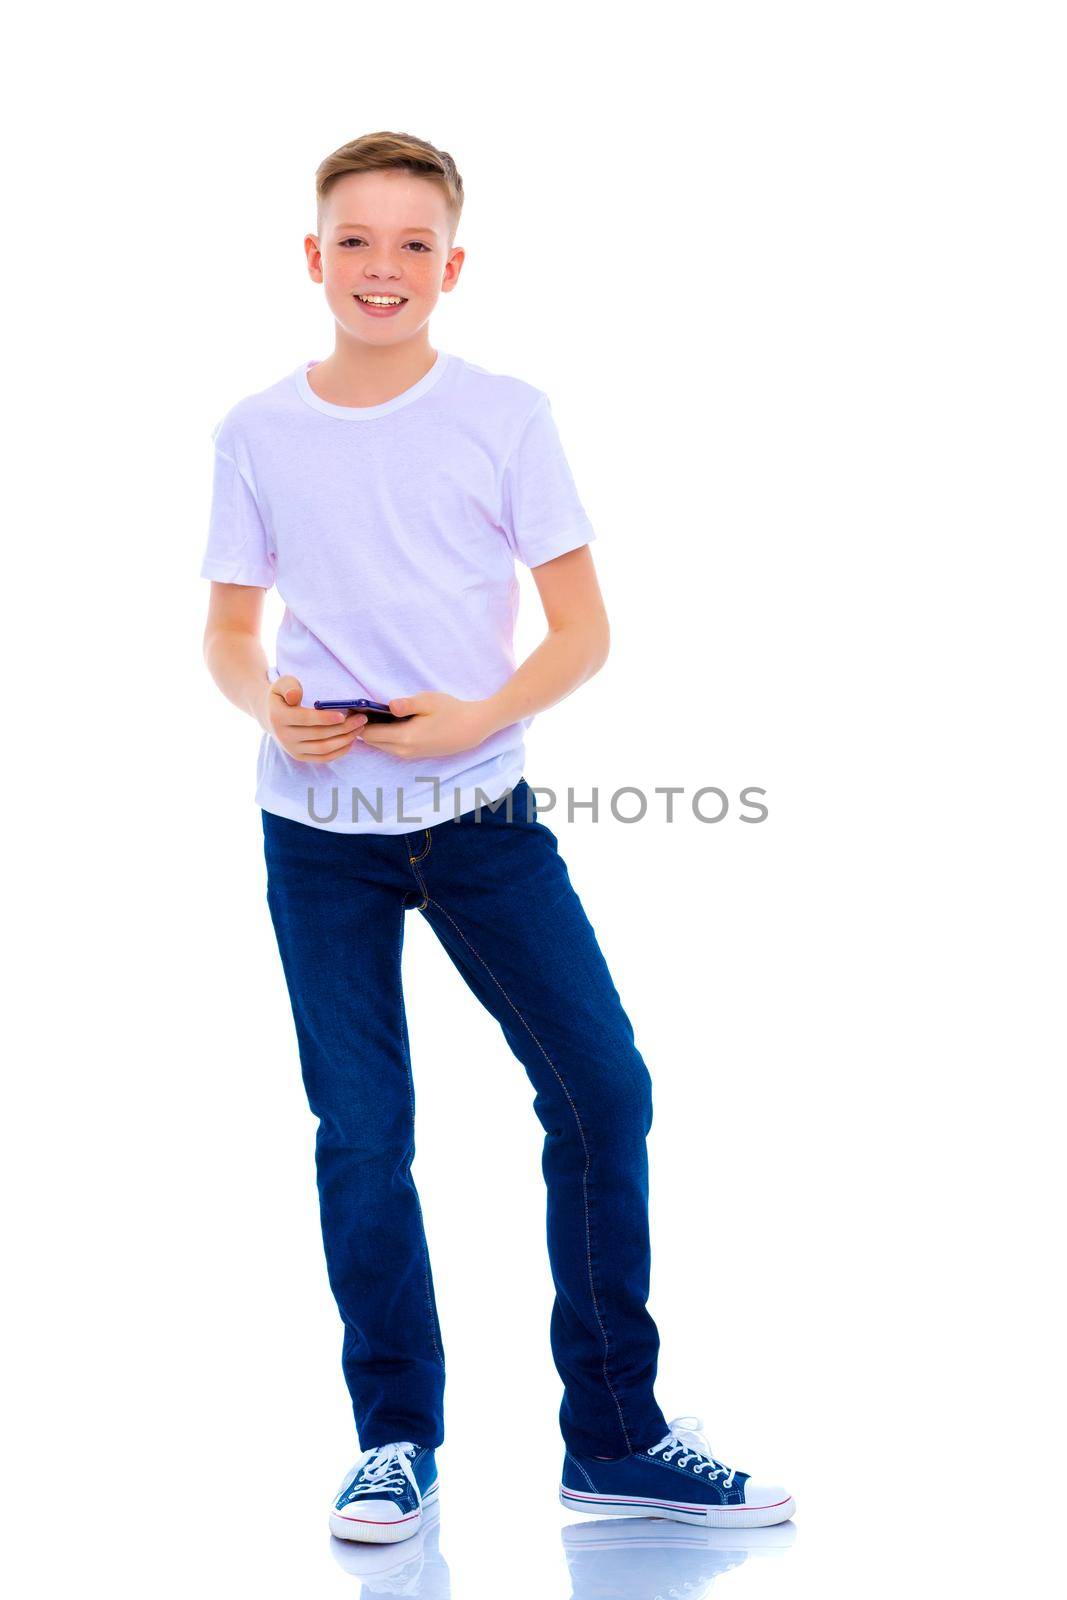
691	1441
383	1468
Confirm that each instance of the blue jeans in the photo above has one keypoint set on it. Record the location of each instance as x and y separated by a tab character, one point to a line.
499	898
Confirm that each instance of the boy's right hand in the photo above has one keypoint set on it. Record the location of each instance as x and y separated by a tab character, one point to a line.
303	732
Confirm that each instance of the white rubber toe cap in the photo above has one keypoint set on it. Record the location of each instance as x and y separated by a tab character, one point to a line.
765	1495
366	1510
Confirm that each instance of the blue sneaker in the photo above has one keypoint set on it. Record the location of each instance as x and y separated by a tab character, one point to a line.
382	1497
678	1478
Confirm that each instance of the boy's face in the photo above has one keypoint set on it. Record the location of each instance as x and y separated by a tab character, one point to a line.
383	233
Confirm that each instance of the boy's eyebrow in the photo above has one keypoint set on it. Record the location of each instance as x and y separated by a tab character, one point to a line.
366	225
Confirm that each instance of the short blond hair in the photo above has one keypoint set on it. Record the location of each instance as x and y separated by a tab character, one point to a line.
377	152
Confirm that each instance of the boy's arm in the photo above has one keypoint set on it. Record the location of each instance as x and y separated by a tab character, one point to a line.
576	646
232	649
237	662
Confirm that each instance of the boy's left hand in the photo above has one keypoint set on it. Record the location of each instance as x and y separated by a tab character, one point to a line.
438	725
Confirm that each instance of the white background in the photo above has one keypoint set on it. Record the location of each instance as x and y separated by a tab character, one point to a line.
792	276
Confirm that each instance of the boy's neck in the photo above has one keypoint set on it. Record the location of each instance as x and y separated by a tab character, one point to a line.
370	375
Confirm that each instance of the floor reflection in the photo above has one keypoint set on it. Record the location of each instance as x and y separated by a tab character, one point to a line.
645	1558
613	1558
416	1567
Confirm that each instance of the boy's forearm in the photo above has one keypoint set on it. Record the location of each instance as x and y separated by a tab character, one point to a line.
563	660
238	664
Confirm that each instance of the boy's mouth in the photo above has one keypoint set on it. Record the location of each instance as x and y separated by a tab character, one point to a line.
381	305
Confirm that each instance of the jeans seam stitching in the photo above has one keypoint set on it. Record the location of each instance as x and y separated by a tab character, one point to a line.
418	1202
419	878
585	1147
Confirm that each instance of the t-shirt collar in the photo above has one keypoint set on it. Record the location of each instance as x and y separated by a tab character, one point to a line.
367	413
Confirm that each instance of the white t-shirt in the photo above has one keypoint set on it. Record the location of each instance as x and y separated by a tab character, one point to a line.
391	532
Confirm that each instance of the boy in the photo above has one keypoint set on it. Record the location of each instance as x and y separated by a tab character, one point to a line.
387	491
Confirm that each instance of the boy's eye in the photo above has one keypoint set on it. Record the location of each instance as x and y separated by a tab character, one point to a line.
417	242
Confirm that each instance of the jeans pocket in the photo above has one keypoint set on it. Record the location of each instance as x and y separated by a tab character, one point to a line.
523	803
517	805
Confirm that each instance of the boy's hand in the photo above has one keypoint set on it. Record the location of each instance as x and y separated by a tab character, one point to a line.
438	725
304	733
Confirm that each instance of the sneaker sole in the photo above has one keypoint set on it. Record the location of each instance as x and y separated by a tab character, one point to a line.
366	1531
604	1505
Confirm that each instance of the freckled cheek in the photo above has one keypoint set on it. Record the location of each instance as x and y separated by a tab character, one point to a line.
421	280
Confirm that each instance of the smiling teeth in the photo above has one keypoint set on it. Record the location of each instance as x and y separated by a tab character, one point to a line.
381	299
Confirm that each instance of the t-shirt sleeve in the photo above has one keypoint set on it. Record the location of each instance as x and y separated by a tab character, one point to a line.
542	514
238	549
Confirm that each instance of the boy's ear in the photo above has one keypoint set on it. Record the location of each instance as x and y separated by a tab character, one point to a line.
453	265
314	257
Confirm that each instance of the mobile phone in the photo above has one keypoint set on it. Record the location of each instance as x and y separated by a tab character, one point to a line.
373	710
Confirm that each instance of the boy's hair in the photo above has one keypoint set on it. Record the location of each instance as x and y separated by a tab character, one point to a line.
375	152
